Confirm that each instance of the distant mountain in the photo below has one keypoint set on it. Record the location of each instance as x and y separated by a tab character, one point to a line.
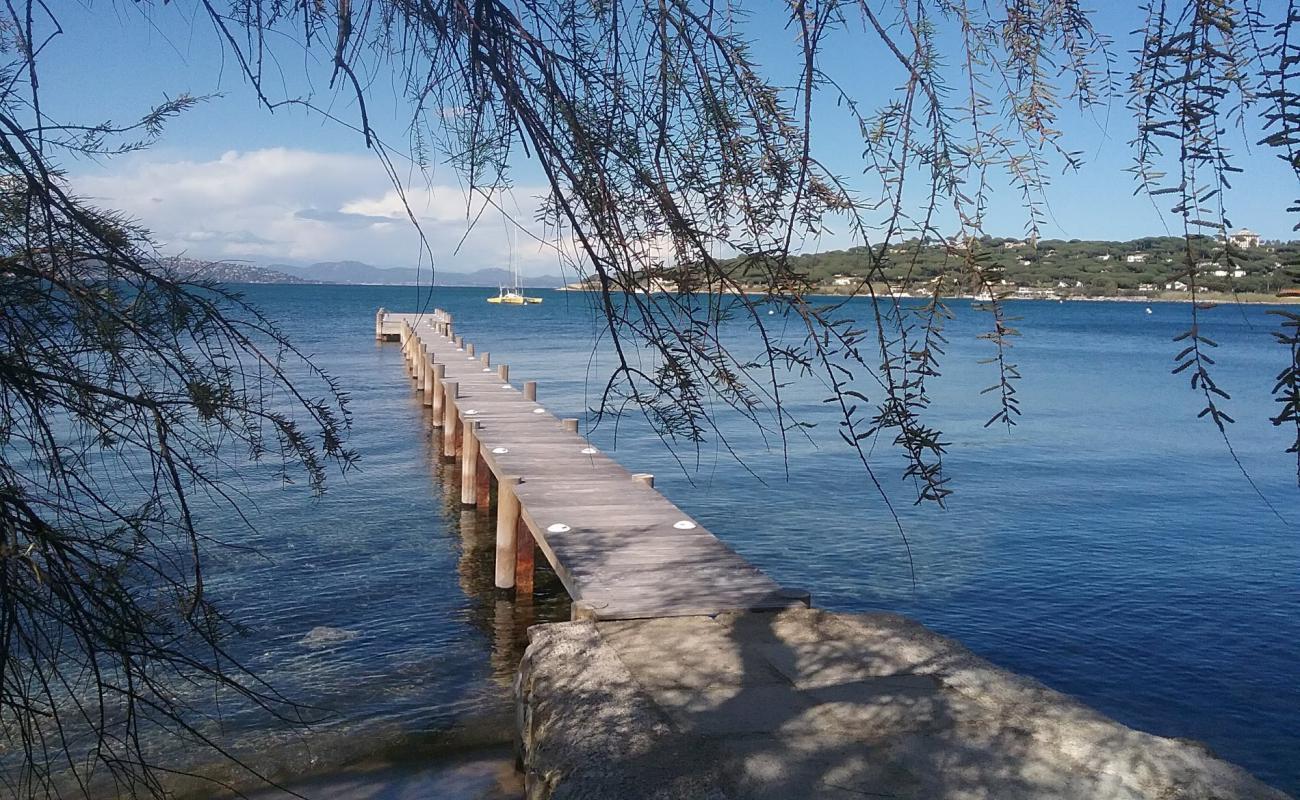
358	272
229	272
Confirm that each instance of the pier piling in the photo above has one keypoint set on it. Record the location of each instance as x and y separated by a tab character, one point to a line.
449	420
436	403
469	465
507	527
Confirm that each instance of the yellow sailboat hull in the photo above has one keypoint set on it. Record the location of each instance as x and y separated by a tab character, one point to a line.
514	300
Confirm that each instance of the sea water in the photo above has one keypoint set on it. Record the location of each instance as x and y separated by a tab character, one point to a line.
1107	545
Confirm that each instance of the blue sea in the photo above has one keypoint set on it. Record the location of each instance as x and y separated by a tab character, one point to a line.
1107	545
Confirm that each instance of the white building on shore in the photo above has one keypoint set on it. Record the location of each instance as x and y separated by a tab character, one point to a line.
1244	239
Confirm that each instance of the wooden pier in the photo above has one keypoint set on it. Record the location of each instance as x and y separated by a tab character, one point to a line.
665	687
621	549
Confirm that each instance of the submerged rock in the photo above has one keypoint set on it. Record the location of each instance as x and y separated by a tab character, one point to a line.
324	636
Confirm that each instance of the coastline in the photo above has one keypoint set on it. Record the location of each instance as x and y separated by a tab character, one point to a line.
1218	298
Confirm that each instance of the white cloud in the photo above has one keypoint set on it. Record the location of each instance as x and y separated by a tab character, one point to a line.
301	205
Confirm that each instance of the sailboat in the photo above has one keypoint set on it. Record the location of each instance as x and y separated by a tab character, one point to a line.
513	296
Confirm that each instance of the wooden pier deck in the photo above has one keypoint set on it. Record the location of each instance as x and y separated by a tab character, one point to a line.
621	549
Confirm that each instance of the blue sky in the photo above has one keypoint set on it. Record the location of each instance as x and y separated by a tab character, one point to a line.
231	180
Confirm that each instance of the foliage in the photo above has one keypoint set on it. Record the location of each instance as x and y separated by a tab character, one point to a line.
667	149
129	398
1068	268
670	150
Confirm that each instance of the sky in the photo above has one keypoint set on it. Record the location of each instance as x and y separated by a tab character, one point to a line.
231	180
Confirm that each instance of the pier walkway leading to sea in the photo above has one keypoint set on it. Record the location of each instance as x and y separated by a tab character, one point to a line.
666	687
621	549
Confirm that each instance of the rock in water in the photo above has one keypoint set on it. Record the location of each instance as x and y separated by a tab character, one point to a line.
324	636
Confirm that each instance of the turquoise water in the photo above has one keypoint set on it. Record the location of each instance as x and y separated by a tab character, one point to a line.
1107	546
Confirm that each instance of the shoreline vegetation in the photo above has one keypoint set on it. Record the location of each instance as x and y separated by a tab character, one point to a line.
1241	268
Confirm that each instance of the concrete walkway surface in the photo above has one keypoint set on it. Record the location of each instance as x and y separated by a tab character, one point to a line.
812	704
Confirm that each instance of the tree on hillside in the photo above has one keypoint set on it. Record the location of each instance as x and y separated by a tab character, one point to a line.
665	143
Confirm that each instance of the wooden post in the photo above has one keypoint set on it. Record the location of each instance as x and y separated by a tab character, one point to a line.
525	550
428	377
438	371
469	349
469	465
530	390
645	479
507	527
379	324
484	487
503	372
570	425
486	358
460	342
421	365
449	416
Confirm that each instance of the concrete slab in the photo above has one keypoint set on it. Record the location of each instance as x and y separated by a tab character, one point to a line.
812	704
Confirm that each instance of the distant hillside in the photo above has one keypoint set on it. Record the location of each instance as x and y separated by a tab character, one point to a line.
229	272
357	272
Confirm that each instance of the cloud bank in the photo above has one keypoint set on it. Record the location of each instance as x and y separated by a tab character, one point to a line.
301	205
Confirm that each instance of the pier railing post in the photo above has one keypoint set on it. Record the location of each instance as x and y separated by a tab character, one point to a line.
449	416
486	359
469	465
530	390
438	404
570	425
469	349
379	324
645	479
503	372
507	527
421	365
